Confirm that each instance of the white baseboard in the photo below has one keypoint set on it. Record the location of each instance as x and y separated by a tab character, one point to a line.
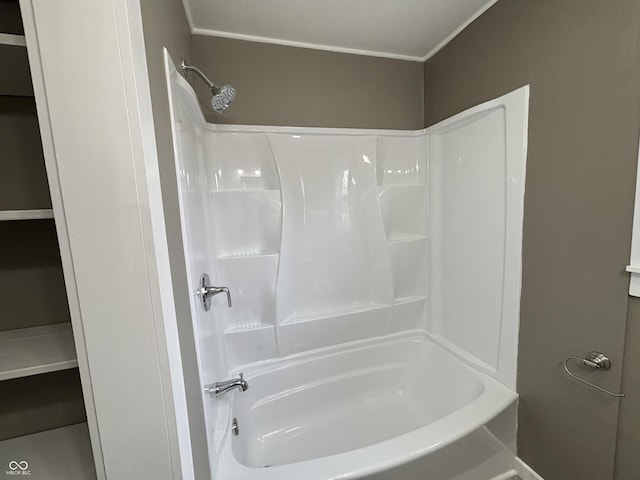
524	471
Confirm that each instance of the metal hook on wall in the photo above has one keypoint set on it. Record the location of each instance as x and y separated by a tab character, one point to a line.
597	361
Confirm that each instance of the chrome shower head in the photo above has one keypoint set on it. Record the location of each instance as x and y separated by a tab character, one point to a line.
222	96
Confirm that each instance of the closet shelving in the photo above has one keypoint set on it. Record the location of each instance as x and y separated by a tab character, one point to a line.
35	350
36	337
33	214
12	40
61	453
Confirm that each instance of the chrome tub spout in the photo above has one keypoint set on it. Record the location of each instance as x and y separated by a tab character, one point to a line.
220	388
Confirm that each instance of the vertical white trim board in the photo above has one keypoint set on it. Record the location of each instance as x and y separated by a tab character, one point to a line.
64	237
105	207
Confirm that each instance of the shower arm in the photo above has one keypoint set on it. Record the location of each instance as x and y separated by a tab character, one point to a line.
186	68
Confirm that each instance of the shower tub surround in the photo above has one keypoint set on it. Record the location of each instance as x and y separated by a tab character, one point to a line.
375	280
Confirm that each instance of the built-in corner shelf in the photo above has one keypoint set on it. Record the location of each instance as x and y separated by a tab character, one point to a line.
246	327
10	215
409	313
13	40
35	350
389	186
233	191
248	256
57	454
345	311
405	239
407	300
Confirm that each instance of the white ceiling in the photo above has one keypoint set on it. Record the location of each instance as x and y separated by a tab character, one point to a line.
406	29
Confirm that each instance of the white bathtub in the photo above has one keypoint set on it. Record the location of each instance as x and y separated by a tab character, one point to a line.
355	410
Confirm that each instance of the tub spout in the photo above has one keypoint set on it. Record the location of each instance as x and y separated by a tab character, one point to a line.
220	388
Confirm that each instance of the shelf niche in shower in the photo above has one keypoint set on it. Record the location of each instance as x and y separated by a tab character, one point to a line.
402	177
246	209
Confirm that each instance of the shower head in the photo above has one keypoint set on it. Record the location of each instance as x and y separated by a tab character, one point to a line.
222	96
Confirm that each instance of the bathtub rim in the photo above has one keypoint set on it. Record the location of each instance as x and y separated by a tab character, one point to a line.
386	454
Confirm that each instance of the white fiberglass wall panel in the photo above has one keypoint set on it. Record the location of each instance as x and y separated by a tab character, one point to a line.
402	171
241	162
334	281
469	172
244	240
477	165
320	235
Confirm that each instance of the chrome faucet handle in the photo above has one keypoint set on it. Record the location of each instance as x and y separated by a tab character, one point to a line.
212	291
206	291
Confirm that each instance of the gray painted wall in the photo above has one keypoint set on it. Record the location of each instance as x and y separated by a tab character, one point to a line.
582	59
165	25
280	85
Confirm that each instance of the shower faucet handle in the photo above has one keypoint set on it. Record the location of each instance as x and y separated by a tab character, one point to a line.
206	291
